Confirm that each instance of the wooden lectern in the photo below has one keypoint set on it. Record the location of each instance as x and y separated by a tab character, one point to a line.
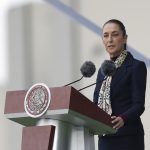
70	122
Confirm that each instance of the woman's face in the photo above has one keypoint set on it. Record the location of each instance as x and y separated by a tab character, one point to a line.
113	39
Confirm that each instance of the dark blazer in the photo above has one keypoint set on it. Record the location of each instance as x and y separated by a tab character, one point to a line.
127	94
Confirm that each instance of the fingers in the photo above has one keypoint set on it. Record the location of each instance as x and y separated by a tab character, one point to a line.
117	121
113	117
117	126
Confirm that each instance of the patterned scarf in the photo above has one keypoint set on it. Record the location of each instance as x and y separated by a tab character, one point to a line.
104	94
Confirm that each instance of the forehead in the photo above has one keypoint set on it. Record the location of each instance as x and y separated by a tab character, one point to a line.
111	27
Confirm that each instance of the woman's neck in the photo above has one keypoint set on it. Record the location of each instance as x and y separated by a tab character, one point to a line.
114	58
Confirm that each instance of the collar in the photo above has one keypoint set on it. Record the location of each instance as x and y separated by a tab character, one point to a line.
129	60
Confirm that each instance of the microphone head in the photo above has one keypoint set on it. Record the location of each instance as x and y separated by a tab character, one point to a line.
108	68
88	69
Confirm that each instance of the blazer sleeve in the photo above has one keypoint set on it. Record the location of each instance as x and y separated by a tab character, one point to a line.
138	85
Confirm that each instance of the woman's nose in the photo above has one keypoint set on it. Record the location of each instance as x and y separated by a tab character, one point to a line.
110	39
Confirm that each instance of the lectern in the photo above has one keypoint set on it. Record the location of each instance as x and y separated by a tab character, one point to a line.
70	122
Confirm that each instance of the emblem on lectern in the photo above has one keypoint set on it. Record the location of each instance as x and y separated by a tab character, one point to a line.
37	100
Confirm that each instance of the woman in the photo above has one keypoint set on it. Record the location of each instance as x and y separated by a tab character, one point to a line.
121	94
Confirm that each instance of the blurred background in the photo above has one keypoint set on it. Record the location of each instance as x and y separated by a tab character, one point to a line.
48	41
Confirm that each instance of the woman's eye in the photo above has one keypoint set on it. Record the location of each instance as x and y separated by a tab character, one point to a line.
115	34
105	35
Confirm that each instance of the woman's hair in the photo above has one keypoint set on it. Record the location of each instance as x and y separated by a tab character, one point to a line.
121	25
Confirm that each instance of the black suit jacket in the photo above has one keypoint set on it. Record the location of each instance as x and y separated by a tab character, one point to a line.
127	94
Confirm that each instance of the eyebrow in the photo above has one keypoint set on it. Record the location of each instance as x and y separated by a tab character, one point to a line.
112	32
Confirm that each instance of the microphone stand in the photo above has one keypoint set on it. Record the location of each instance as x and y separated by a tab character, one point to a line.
74	81
87	86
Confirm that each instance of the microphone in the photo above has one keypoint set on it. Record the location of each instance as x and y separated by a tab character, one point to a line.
87	70
87	86
108	68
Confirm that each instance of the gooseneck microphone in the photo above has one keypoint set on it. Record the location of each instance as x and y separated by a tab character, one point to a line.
74	81
87	86
87	70
107	68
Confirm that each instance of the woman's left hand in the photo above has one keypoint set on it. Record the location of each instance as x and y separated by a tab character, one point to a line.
117	121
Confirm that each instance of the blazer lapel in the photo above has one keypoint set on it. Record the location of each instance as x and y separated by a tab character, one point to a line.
121	71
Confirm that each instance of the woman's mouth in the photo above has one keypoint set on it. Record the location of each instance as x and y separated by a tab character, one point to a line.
111	46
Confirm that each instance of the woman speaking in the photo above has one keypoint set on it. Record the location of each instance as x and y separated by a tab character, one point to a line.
120	91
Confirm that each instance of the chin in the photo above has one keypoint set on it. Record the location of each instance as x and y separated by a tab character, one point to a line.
113	51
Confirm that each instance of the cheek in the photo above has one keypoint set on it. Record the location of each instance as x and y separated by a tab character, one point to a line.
104	42
120	42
